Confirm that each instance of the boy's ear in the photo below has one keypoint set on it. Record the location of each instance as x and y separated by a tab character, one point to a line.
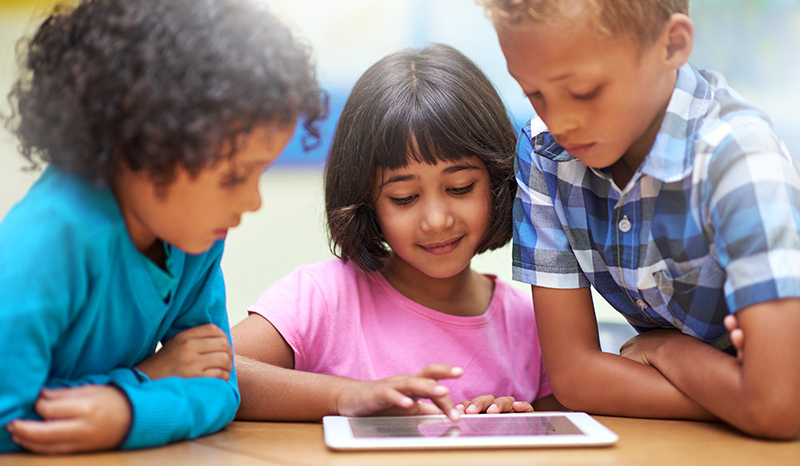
678	37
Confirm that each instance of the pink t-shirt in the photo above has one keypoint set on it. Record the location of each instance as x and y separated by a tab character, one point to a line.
342	321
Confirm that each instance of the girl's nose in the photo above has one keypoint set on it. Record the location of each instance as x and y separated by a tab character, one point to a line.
436	216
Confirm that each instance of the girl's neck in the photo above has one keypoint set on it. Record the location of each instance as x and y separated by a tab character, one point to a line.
465	294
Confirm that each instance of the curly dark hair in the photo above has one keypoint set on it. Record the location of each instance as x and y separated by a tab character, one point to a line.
433	103
150	84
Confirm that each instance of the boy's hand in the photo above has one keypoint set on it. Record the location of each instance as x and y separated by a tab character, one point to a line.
399	395
491	405
87	418
641	347
202	351
731	323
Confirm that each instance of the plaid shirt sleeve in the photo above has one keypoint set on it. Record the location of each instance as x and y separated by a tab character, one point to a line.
752	198
541	252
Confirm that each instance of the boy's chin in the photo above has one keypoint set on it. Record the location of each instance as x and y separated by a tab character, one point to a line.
196	247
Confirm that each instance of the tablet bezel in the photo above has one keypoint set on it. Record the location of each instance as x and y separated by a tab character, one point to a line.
339	435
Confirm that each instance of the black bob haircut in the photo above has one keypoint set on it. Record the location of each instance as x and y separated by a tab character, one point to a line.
431	105
150	84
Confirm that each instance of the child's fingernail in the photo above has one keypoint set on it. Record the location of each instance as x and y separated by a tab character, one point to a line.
492	407
455	414
456	371
472	409
440	390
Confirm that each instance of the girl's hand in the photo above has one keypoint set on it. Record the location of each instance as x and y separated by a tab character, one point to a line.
87	418
491	405
202	351
399	395
731	323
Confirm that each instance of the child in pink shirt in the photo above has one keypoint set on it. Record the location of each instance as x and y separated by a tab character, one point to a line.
419	179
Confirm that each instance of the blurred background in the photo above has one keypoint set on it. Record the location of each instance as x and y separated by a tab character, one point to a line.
754	43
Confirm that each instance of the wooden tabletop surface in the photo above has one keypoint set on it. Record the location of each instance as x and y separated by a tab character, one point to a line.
642	442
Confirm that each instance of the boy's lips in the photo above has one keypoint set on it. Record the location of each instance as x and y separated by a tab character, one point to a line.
443	247
578	150
221	233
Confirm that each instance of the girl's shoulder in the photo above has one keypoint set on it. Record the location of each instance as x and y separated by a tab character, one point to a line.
512	297
333	272
331	278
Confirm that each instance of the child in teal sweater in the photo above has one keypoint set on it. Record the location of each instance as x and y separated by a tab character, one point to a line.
156	119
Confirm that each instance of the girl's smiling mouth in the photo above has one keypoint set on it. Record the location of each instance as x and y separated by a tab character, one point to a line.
443	247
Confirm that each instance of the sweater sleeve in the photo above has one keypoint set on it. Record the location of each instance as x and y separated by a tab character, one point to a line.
173	408
38	291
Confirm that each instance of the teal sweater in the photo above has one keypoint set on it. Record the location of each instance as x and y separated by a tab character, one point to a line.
79	304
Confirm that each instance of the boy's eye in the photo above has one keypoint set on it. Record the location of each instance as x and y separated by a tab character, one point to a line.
534	95
233	179
587	95
464	190
402	200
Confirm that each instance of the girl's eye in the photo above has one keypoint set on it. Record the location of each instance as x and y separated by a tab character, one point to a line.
588	95
402	201
462	191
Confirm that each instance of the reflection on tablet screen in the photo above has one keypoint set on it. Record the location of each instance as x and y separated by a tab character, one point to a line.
466	427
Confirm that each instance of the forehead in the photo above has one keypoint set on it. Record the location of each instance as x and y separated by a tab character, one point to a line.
541	54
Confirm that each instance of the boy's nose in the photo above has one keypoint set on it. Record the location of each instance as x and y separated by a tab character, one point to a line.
252	201
561	122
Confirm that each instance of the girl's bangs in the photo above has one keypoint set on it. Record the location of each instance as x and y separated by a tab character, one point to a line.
423	138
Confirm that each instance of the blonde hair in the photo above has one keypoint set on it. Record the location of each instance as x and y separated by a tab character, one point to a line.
641	20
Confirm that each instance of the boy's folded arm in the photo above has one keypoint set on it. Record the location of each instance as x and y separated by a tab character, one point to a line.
584	378
175	408
758	395
548	403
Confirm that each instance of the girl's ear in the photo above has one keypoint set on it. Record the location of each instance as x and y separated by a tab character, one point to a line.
677	39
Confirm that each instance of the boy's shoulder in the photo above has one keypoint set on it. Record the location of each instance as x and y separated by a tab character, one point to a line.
714	116
733	126
63	206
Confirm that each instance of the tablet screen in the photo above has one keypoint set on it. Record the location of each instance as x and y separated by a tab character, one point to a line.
466	427
517	430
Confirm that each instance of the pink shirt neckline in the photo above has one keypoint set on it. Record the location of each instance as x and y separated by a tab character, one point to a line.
431	314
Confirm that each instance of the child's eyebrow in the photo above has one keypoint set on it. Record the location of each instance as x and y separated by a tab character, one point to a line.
248	165
446	171
458	168
397	179
560	77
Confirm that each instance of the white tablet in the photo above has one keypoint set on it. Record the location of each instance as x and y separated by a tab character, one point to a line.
510	430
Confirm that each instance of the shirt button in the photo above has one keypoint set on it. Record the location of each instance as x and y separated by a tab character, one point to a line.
624	224
641	303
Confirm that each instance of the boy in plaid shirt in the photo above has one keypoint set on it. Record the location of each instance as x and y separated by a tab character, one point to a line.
661	187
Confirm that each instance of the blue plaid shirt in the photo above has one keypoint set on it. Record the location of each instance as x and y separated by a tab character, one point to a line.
707	225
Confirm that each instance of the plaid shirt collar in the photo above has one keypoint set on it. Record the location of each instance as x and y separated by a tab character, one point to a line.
690	101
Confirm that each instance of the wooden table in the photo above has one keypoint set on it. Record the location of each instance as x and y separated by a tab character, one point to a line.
642	442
